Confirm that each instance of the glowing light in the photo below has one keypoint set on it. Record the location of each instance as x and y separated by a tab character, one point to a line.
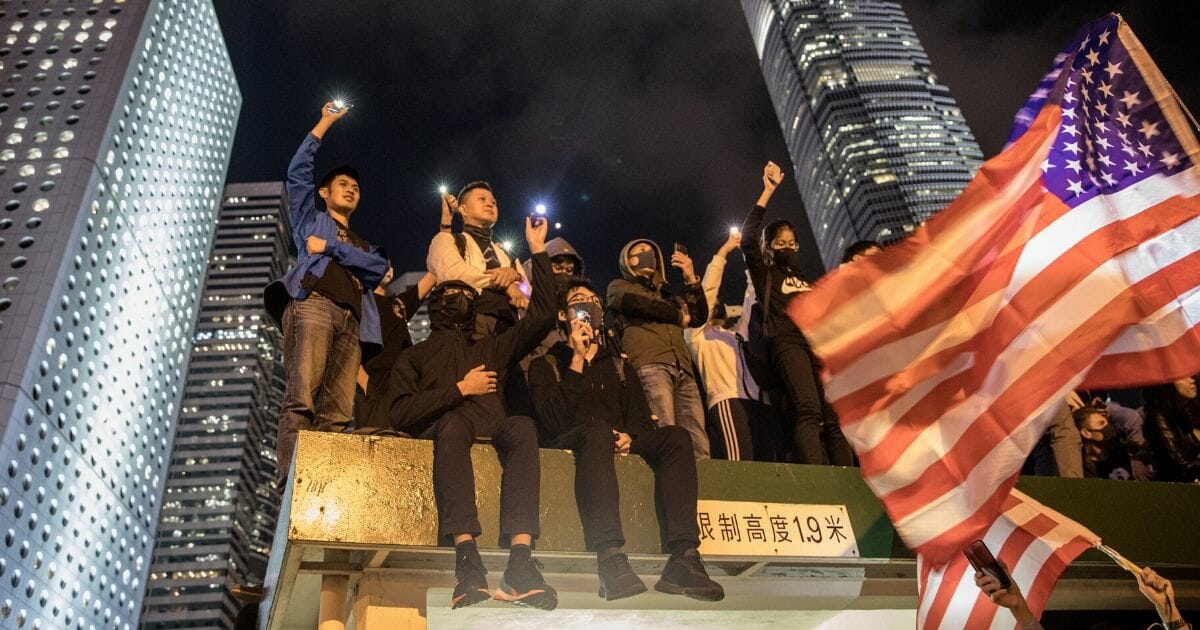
339	103
734	230
540	208
443	189
558	226
507	245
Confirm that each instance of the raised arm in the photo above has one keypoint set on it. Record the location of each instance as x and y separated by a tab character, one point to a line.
715	270
301	190
511	345
772	176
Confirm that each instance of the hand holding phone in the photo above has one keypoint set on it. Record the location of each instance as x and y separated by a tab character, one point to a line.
982	559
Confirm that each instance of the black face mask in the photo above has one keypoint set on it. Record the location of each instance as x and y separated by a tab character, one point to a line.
1107	435
561	282
783	257
452	311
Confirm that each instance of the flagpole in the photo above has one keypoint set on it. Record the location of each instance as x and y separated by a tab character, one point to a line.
1124	562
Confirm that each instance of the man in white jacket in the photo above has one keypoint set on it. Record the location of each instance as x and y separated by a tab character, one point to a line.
475	258
735	402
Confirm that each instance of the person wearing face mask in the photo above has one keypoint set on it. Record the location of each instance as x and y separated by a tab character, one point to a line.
1105	454
1172	430
816	435
567	265
651	321
445	389
590	400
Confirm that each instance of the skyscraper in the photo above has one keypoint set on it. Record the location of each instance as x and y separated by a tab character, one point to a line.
117	118
219	509
877	143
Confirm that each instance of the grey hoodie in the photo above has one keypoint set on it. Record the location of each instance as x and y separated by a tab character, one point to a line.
649	316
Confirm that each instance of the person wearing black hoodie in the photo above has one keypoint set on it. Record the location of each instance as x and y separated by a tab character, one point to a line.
445	389
651	321
590	400
816	435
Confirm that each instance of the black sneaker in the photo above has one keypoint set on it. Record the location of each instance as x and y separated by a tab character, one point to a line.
524	585
617	579
470	581
685	575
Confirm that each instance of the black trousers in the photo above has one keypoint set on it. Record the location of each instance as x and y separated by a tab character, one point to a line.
668	451
731	428
515	440
816	434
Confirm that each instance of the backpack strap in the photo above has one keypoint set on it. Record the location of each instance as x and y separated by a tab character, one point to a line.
460	241
554	366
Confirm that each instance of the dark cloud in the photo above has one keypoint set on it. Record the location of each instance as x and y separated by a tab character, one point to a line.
630	118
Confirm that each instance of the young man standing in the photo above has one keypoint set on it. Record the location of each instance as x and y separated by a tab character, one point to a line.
591	401
445	389
324	303
652	322
475	259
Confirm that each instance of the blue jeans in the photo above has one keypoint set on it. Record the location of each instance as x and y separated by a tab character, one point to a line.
321	356
675	399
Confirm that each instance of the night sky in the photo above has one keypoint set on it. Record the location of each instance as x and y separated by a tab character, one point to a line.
629	118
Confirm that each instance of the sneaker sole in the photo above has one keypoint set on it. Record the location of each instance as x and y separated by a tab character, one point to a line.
470	598
706	594
605	594
537	598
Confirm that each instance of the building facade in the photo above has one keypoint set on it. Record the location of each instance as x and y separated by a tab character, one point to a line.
878	144
116	122
220	505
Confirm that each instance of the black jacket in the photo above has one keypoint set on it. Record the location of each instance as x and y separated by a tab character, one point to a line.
424	381
649	316
1174	445
775	286
571	399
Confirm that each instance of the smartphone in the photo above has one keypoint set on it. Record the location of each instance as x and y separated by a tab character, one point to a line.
681	248
982	559
583	316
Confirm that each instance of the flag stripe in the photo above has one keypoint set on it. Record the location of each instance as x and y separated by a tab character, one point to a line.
1034	541
1009	336
956	500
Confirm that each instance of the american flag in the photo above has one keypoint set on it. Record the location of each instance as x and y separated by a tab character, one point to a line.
1034	542
1071	257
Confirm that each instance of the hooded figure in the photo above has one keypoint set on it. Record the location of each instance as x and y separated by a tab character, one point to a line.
555	248
651	322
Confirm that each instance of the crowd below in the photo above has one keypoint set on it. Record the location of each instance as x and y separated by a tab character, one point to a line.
531	354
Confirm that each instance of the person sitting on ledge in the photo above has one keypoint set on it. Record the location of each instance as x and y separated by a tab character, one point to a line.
590	400
444	389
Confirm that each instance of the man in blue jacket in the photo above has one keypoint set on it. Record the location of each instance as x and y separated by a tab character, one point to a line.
323	304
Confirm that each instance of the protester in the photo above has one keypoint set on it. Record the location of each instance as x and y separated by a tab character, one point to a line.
1105	454
651	321
323	304
567	265
815	432
373	400
861	249
734	400
590	400
474	258
1173	430
1157	589
445	389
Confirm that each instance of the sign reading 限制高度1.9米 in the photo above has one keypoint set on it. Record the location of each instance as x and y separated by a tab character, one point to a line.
744	528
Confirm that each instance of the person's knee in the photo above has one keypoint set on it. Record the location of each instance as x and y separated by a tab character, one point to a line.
676	439
455	430
520	432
